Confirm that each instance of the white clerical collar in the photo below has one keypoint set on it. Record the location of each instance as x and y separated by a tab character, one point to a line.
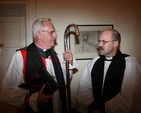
108	58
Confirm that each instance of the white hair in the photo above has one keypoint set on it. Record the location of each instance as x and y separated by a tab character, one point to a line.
38	25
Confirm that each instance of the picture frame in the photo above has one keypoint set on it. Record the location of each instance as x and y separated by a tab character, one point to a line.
86	49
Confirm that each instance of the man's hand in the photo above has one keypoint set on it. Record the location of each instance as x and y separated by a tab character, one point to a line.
68	56
42	98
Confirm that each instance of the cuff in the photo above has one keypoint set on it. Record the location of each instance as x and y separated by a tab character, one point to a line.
26	100
74	64
33	101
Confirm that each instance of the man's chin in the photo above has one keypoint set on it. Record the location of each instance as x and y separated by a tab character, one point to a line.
53	44
101	53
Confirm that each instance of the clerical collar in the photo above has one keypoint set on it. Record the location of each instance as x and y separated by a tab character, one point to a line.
108	58
40	48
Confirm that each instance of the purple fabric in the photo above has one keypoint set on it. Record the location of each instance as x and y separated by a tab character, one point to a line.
35	83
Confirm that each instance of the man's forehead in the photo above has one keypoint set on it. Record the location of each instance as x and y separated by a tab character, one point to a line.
106	34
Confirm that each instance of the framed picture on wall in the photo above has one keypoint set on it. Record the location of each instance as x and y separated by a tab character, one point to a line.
86	49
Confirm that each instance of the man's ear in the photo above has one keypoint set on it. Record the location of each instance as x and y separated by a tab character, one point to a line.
39	35
116	43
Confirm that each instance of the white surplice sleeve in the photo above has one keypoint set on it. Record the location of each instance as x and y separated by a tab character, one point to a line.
129	99
10	92
84	94
71	67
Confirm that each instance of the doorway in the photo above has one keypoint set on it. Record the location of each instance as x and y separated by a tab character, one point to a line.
15	32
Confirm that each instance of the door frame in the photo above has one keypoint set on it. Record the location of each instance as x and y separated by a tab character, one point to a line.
30	16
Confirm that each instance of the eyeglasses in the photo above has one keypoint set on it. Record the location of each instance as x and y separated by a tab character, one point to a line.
104	41
50	32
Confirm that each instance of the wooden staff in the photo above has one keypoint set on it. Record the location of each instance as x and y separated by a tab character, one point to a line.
66	34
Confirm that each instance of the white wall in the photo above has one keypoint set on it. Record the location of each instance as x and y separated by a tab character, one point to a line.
124	14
